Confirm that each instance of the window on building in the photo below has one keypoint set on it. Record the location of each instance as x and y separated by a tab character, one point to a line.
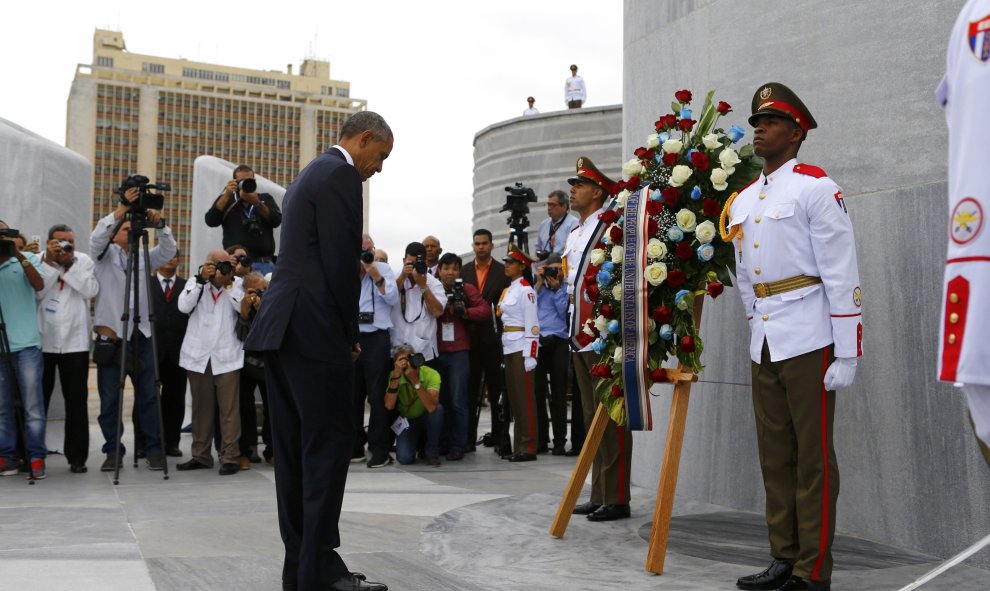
343	92
104	61
152	68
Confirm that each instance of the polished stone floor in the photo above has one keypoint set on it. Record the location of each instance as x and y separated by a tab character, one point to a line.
475	525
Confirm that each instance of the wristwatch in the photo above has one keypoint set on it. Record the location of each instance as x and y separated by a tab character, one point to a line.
380	282
417	386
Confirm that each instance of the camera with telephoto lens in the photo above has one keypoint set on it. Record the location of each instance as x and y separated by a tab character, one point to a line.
367	256
7	247
420	265
146	199
224	267
66	246
458	297
416	360
247	185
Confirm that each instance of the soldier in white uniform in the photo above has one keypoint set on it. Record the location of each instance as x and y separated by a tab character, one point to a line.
965	95
574	91
798	277
520	343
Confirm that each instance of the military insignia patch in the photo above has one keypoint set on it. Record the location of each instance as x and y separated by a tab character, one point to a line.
841	201
580	163
966	220
766	92
858	297
536	330
532	297
979	38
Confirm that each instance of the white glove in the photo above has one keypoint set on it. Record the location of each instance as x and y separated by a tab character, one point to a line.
530	363
841	373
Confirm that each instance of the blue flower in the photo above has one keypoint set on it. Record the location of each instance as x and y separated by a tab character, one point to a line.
663	137
736	133
612	326
604	277
675	234
689	152
683	299
608	266
696	193
655	196
599	346
685	113
666	332
706	252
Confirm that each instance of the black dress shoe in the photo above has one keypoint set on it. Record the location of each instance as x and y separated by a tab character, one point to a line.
573	452
455	455
352	583
799	584
521	457
78	468
173	452
586	508
192	464
609	513
773	577
293	586
558	450
228	469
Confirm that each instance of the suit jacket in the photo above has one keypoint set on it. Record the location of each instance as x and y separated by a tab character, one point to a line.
170	323
311	306
495	283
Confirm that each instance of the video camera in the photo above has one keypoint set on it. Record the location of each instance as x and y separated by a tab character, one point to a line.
517	201
7	247
138	209
458	297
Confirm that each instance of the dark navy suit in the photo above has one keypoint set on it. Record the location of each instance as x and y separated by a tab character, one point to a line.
307	325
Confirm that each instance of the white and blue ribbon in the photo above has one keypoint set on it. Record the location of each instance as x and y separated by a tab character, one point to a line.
635	319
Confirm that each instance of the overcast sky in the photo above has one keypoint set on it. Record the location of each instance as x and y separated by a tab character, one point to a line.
438	71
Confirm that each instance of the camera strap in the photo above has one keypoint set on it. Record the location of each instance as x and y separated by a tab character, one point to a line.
403	304
374	292
554	226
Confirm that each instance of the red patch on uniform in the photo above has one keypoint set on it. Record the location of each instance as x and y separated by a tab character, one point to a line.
954	326
524	282
809	170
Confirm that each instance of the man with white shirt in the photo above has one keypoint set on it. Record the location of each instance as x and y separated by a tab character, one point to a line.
212	356
421	301
63	316
574	91
110	267
797	274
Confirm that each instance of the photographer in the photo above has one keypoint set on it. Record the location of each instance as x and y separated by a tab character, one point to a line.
20	279
212	356
111	275
244	263
421	302
414	389
248	218
464	304
554	357
379	297
63	316
252	377
554	230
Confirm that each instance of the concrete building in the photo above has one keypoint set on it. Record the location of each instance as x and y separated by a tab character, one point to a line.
131	113
539	151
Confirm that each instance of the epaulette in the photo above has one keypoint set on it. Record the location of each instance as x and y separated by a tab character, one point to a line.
810	170
524	283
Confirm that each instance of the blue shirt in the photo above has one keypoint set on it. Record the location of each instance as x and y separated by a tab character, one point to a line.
373	301
552	311
543	237
18	304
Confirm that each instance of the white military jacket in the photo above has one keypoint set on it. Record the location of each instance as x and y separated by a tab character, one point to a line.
965	94
794	222
517	309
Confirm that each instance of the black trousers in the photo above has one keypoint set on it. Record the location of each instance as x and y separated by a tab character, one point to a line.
370	382
73	374
552	372
486	370
249	415
174	384
312	409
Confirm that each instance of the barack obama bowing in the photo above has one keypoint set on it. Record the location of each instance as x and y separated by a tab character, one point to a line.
307	328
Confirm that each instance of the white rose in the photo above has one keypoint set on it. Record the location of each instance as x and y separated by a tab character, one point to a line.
653	140
729	159
672	146
705	232
719	178
679	175
655	249
617	356
597	256
656	273
632	168
617	252
711	141
617	291
686	220
651	325
601	323
620	199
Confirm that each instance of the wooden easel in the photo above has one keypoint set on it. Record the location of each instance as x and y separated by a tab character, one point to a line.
657	553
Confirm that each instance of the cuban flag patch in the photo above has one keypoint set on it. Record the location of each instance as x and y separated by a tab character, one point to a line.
979	39
841	202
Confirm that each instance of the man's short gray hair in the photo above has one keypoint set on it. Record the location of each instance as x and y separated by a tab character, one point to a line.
367	121
402	348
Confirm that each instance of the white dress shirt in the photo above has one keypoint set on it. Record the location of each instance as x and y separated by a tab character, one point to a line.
412	322
574	247
63	306
210	335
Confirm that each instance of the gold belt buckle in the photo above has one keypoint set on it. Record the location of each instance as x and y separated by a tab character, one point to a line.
761	290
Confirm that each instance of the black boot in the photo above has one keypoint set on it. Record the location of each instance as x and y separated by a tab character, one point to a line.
773	577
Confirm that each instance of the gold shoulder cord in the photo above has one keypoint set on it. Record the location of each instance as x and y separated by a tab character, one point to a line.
727	236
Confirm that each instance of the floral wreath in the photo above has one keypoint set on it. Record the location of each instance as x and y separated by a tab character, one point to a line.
690	173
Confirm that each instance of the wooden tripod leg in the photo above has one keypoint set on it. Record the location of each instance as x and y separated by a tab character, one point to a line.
668	478
591	443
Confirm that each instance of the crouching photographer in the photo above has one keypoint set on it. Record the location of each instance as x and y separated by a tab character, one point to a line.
464	304
414	390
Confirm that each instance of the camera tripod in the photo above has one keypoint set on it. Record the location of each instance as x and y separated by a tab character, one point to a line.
17	399
137	244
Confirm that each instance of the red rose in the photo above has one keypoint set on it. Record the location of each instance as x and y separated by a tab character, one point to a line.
699	160
683	251
610	216
640	152
676	278
658	375
632	184
683	96
686	124
615	233
654	207
687	344
662	315
652	227
670	196
591	290
715	288
607	311
601	370
666	122
583	339
711	208
671	159
616	391
723	107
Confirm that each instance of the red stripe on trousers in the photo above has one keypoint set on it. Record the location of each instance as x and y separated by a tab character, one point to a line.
823	536
529	411
622	466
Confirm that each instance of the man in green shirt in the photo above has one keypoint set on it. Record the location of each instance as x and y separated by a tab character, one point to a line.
414	389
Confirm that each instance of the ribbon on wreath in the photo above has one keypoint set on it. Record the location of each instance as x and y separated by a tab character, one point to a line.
635	319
